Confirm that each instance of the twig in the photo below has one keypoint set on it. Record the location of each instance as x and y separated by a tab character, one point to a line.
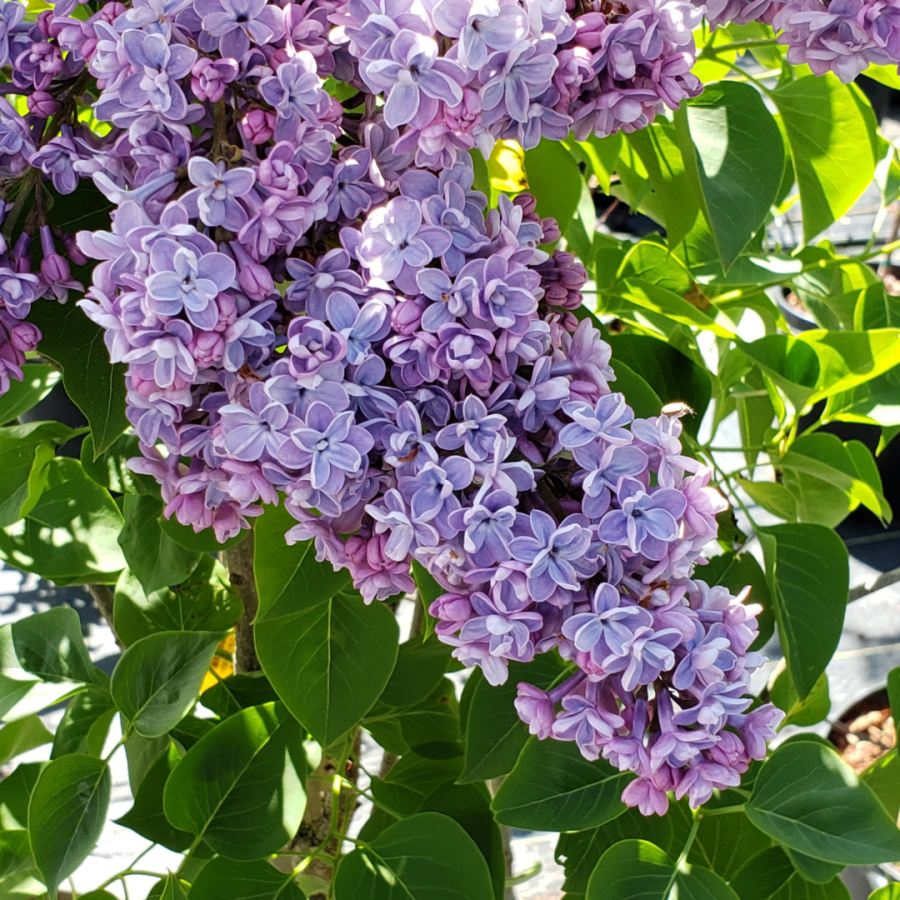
103	600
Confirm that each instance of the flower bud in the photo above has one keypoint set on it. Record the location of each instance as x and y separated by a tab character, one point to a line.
258	126
256	282
42	104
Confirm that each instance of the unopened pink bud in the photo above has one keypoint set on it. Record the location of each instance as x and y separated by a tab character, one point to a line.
258	126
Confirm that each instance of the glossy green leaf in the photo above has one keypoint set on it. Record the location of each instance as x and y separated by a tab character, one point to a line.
18	873
425	857
70	537
554	179
418	671
495	735
674	377
398	729
734	154
633	869
812	869
770	875
19	448
554	788
158	678
254	880
155	559
646	295
50	646
146	816
812	709
205	602
876	308
883	777
888	892
242	786
96	386
327	654
831	134
22	735
39	379
66	815
724	843
169	888
424	783
237	692
808	572
580	851
807	798
15	794
657	146
825	457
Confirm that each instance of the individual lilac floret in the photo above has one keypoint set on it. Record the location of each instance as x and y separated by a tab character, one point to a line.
606	422
550	552
414	78
237	23
476	430
646	522
336	446
160	66
185	281
216	193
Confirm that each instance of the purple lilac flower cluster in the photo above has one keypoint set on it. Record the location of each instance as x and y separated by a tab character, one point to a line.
307	311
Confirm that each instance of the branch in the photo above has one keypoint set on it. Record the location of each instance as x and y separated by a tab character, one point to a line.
238	560
103	600
885	579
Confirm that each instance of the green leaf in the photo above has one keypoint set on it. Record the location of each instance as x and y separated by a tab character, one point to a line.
203	603
883	777
811	869
812	709
420	783
50	645
171	888
18	874
554	788
15	794
808	571
555	181
237	692
158	678
831	134
657	146
737	571
495	735
734	154
95	385
253	772
579	851
807	798
673	376
146	816
156	560
327	654
398	729
633	869
110	468
876	308
770	875
39	379
66	815
669	304
255	880
426	857
418	671
19	447
70	537
888	892
427	591
21	736
723	843
824	457
641	397
652	261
